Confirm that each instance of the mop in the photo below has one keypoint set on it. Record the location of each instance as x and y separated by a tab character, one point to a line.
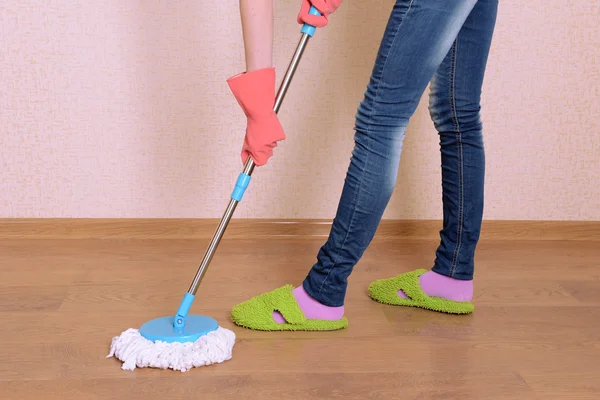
184	341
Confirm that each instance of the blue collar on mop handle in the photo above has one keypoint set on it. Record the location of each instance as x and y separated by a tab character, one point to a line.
180	327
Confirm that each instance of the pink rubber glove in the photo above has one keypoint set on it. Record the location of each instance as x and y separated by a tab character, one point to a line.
325	7
255	93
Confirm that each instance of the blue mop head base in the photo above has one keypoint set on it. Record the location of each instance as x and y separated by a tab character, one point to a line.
163	329
179	342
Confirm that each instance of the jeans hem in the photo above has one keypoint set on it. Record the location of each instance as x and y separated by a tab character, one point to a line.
324	300
461	276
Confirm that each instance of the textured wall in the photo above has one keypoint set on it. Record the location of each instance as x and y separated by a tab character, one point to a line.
120	109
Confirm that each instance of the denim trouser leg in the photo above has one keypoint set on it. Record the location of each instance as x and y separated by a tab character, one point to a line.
417	39
454	106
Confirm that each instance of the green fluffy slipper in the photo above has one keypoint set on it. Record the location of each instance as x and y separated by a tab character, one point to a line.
386	291
257	313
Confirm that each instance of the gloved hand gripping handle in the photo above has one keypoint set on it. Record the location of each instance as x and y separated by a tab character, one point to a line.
242	182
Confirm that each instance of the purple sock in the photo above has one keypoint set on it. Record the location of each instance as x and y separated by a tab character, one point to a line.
311	308
436	285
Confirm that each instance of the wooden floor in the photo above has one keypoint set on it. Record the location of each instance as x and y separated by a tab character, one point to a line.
535	333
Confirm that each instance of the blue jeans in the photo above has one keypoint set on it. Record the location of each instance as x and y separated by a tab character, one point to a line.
445	42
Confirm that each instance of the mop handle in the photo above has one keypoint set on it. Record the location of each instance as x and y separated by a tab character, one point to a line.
244	178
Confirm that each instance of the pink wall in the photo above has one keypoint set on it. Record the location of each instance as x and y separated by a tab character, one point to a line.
120	109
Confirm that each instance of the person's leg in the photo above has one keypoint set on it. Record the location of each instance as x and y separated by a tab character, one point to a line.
419	34
417	38
455	110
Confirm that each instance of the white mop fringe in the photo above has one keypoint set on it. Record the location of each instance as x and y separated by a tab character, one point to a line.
135	350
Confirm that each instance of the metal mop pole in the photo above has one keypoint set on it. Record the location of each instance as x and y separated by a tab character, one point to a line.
242	182
247	172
